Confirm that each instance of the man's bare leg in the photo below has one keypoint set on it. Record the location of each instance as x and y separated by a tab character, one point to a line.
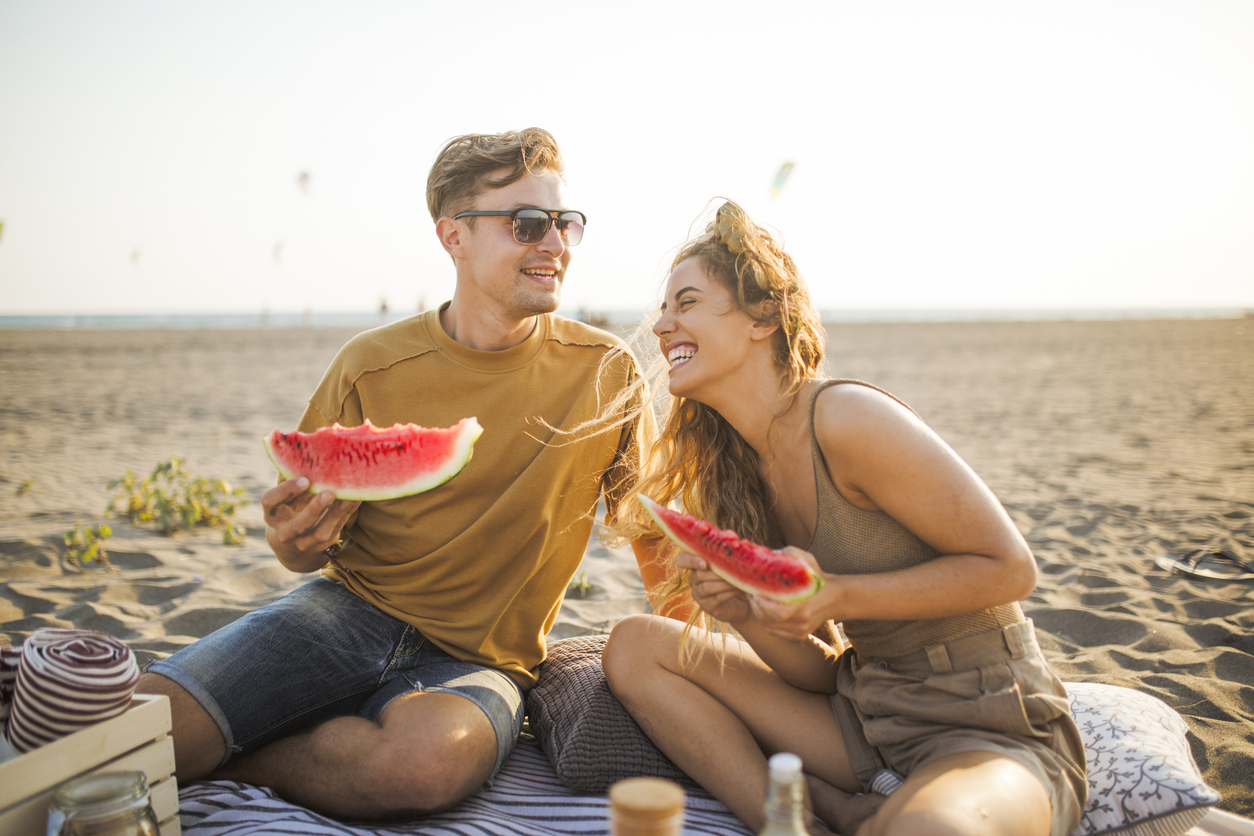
198	744
428	752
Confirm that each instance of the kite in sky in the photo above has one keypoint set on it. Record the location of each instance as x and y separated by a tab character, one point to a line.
781	177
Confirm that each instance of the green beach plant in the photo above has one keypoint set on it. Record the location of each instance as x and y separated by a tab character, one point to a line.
172	500
26	487
84	546
579	585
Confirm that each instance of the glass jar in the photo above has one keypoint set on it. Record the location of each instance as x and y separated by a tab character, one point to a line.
103	804
646	807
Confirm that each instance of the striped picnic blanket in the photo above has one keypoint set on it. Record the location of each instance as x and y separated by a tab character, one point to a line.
526	799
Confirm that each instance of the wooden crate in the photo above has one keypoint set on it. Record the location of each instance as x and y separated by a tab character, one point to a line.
138	739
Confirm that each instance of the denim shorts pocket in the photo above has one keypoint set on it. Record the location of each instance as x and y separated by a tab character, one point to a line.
408	647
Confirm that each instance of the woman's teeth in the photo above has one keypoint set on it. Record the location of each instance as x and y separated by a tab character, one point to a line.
681	354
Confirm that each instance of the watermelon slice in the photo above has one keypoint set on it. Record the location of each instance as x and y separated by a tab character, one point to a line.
747	566
369	462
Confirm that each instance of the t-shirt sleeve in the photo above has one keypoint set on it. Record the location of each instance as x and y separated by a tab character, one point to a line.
335	401
316	414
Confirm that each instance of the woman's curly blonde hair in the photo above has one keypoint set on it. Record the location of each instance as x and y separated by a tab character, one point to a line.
699	462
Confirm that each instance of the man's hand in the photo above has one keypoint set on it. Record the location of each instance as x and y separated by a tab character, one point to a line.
300	526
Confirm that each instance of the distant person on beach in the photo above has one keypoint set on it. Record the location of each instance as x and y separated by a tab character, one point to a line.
941	711
392	685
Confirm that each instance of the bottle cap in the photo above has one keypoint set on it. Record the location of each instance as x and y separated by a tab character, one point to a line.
647	798
784	766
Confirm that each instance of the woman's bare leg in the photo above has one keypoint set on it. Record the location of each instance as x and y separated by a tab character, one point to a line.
968	793
719	723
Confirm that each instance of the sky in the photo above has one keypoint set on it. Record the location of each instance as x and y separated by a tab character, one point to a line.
947	155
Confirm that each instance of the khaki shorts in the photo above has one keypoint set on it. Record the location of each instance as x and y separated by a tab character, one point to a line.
990	692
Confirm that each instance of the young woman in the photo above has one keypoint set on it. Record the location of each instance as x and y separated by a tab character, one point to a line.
942	699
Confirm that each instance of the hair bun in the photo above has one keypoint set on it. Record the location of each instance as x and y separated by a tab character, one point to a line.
729	227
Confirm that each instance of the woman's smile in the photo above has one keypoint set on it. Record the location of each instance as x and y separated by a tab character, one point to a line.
680	354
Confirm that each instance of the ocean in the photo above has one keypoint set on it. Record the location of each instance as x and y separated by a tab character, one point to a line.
614	318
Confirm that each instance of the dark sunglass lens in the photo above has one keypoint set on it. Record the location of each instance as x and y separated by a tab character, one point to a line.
570	225
531	225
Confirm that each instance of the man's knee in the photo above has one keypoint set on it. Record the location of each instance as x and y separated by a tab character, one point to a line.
198	743
424	784
437	750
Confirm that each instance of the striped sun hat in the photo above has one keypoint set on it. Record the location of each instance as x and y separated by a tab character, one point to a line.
67	680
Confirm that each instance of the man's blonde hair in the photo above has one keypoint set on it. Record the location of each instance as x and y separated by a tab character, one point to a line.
461	169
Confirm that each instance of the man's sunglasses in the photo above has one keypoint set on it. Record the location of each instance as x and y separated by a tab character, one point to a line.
531	225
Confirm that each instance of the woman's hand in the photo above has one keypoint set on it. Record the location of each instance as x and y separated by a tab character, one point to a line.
782	642
713	594
792	622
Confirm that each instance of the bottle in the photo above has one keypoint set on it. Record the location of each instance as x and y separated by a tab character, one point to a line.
103	804
787	806
646	807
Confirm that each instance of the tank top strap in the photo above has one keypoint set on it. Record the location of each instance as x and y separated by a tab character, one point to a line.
827	384
824	483
817	453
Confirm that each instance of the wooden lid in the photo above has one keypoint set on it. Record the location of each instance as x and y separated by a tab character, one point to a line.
648	798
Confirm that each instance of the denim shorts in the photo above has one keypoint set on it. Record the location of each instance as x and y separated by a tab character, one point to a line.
321	652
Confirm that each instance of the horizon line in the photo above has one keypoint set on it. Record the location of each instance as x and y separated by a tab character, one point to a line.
608	317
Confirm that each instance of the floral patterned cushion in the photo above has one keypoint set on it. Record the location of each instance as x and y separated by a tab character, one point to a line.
1142	777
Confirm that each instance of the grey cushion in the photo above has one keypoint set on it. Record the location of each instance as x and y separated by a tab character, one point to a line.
586	733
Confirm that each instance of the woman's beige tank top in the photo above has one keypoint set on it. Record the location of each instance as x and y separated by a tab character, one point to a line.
852	541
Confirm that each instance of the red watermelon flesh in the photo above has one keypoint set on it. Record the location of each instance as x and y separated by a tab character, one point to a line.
371	463
747	566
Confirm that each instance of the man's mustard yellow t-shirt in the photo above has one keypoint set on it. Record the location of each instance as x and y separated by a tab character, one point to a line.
480	564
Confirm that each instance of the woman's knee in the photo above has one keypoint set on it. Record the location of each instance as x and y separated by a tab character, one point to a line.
631	649
969	793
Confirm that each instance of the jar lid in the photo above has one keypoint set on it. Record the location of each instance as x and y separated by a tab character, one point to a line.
100	795
648	798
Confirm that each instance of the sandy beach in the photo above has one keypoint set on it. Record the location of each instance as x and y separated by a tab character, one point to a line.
1109	443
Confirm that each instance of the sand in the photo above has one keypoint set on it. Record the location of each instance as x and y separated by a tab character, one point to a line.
1109	442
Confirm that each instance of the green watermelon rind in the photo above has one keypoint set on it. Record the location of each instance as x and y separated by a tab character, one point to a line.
712	560
462	452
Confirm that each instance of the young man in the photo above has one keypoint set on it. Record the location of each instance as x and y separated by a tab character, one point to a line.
392	685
